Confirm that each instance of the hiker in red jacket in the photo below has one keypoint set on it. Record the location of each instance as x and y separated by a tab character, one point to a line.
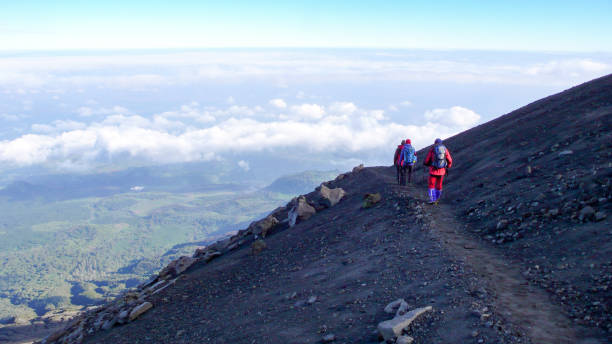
438	159
396	162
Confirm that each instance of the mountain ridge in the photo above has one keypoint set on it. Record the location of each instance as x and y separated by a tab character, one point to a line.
350	261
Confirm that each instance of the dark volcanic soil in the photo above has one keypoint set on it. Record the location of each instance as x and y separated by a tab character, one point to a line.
519	251
353	260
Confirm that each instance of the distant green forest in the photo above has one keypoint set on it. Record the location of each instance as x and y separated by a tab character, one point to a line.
64	253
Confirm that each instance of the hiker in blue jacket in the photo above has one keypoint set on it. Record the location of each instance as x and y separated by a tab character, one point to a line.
407	160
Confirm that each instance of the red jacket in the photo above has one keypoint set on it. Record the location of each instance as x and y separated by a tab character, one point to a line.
396	157
438	171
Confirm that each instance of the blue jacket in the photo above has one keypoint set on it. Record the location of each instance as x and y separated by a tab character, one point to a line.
405	158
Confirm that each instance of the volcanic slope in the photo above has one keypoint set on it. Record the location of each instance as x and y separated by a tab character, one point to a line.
518	251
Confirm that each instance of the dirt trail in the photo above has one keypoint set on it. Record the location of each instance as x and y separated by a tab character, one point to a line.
523	305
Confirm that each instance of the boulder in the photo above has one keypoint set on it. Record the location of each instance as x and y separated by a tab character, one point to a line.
370	199
358	168
330	197
301	211
262	227
258	246
177	267
140	310
391	329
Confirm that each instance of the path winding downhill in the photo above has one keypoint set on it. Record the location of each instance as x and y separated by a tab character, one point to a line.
520	303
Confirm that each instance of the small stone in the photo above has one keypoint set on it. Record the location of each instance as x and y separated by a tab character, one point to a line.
405	339
600	215
312	300
566	152
358	168
329	338
502	224
586	213
474	333
258	246
399	307
109	324
370	199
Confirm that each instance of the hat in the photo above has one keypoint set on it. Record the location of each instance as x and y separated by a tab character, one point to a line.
408	141
403	142
438	141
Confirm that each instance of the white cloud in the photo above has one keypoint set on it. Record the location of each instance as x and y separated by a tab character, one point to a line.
10	117
569	68
58	126
279	103
24	75
455	116
190	111
406	103
308	111
244	165
342	108
85	111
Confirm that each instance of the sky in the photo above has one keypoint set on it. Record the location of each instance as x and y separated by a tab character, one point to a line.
569	26
88	85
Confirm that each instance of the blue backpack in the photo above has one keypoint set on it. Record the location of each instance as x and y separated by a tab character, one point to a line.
409	157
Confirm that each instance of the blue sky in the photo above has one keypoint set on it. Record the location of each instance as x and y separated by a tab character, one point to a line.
577	26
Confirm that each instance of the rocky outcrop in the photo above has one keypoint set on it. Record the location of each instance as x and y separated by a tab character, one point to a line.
301	211
177	267
140	310
330	197
262	227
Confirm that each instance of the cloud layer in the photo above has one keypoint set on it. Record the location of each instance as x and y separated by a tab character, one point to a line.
196	133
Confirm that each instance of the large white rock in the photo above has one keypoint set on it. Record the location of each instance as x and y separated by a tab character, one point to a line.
391	329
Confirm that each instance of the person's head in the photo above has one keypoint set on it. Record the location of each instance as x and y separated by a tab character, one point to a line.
408	141
437	142
403	142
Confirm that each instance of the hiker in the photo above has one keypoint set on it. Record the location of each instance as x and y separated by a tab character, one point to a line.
438	159
396	162
407	160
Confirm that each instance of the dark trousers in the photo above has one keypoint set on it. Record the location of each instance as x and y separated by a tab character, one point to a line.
399	172
406	174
